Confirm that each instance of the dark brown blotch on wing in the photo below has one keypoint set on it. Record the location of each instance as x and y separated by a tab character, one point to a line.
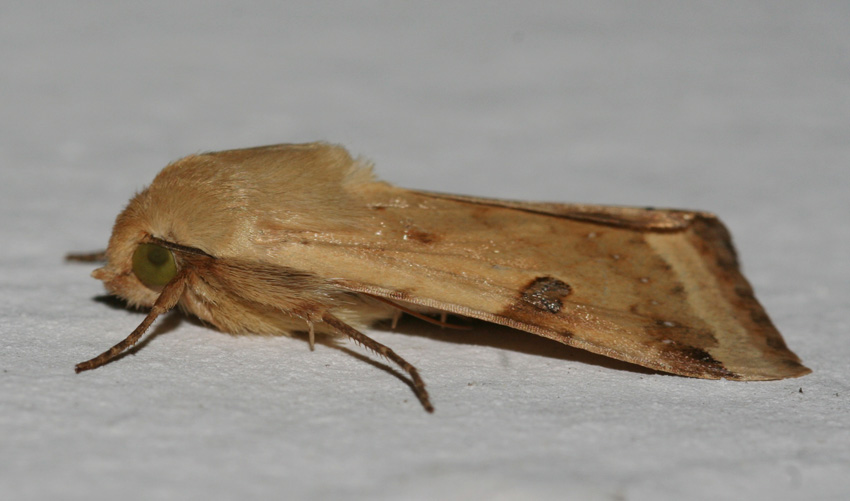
691	357
417	235
546	293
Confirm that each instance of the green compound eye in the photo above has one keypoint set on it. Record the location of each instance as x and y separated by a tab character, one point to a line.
154	265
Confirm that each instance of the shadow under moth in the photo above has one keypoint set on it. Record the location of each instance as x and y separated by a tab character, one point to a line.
303	238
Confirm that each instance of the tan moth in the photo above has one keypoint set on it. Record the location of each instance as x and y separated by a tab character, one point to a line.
302	237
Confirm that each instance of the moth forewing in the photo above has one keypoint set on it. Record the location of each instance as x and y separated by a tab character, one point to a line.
295	237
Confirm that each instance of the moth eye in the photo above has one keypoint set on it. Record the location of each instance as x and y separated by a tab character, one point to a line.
154	265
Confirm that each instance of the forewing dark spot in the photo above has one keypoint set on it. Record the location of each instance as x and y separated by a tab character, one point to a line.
420	236
546	293
687	355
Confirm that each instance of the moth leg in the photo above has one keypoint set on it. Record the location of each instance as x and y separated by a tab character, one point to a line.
420	316
87	257
396	318
312	336
380	349
167	299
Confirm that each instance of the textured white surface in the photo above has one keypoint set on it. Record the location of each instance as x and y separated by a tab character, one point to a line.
742	108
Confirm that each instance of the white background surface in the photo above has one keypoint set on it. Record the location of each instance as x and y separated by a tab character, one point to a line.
742	108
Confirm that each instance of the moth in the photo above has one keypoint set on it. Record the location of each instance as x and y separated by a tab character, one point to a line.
303	238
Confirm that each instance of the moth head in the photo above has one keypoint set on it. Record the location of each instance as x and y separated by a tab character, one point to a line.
138	263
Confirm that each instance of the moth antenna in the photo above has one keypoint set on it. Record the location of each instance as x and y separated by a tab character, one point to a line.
420	316
87	257
167	299
384	351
